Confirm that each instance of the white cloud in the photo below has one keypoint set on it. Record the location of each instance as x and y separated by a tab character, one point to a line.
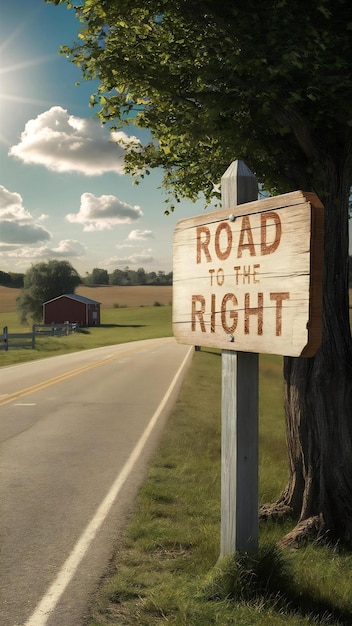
103	212
16	233
65	143
22	237
66	248
137	259
11	206
123	246
17	226
140	235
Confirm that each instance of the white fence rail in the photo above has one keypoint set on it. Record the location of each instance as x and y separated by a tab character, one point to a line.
55	329
27	340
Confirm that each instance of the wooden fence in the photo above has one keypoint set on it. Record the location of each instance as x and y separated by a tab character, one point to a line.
27	340
55	330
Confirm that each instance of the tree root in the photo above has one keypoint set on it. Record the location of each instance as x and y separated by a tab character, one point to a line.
306	531
277	511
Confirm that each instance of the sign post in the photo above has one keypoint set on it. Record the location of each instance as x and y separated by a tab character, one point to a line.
248	279
239	411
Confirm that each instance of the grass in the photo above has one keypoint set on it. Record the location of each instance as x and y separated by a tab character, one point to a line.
168	570
118	325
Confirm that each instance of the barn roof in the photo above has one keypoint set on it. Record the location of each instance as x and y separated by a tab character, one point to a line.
74	296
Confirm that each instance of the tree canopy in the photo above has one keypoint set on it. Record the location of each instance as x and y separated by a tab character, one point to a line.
99	276
42	282
267	82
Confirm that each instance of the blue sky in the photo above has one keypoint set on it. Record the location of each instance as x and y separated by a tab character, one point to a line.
63	193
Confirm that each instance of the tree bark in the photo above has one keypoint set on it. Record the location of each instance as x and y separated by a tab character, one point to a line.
318	403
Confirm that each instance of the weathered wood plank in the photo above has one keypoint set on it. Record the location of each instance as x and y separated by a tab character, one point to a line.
248	277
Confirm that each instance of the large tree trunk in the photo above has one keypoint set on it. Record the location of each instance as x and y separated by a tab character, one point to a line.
318	403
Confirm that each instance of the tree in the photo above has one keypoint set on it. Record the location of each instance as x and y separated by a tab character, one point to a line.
153	278
117	277
11	279
100	276
141	276
5	279
269	83
16	279
42	282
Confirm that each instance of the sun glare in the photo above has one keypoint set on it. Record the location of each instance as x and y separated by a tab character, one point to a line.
17	80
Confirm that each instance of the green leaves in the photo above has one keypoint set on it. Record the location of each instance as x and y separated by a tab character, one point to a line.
44	281
263	82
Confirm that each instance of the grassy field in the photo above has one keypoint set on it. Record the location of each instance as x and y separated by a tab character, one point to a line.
117	326
127	314
129	321
166	568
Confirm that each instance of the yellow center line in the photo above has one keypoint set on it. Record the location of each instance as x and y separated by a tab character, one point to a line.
52	381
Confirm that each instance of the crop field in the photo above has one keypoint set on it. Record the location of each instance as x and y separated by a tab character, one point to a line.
109	297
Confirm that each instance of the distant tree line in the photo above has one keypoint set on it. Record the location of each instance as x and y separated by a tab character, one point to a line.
127	277
123	277
100	276
11	279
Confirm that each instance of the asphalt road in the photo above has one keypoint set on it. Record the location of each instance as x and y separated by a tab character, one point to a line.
76	433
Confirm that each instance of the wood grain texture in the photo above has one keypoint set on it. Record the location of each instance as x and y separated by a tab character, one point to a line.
253	284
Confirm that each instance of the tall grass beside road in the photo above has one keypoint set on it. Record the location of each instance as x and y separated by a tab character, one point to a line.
167	568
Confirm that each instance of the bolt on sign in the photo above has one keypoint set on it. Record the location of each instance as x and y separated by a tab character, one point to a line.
250	278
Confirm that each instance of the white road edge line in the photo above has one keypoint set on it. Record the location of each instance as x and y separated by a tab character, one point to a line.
51	598
25	404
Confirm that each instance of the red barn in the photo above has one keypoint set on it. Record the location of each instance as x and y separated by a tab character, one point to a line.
72	308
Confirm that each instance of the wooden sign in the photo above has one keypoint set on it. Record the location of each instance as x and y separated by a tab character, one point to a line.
250	278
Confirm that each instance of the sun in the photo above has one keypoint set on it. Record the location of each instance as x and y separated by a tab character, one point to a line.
17	80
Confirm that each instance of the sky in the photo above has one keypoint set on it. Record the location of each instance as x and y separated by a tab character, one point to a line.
63	192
